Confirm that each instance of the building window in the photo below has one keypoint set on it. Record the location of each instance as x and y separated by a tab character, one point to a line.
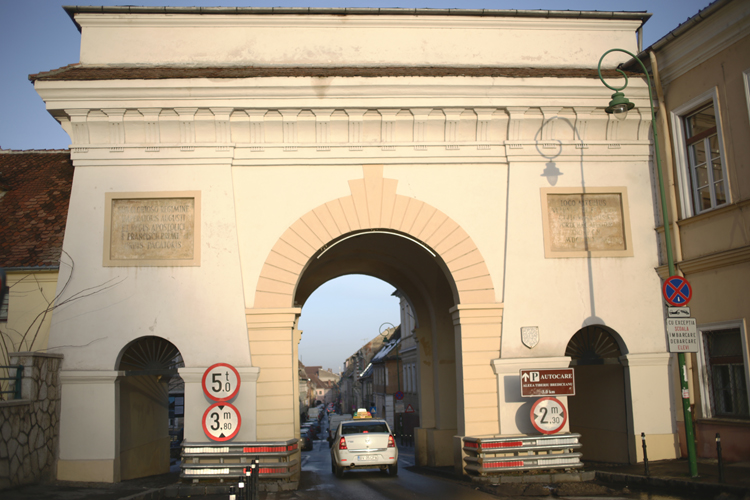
699	152
704	159
725	382
4	308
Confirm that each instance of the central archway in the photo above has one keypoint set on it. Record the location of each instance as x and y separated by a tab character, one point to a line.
434	263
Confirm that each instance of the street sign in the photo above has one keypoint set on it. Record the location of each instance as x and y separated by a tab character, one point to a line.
547	382
677	291
399	407
682	334
221	422
399	395
548	415
221	382
409	409
678	312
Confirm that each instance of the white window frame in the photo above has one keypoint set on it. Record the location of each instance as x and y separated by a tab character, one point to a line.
687	196
705	382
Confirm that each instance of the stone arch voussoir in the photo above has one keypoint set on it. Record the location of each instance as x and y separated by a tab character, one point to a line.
373	204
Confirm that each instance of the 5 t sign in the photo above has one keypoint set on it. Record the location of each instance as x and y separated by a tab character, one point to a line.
221	382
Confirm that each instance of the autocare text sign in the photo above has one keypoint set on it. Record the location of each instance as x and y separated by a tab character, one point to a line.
547	382
682	334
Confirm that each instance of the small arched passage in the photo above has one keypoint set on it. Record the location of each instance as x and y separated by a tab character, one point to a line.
149	365
599	410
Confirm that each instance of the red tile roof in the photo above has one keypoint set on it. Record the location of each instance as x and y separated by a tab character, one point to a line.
34	208
79	72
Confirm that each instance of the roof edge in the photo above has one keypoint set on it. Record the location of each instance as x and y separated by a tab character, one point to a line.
680	30
72	10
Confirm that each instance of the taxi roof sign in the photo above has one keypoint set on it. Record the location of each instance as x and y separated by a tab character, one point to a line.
362	413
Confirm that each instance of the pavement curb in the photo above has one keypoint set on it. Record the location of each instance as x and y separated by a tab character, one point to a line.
690	487
152	494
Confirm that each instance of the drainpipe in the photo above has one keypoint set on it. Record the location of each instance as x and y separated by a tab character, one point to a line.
672	190
669	163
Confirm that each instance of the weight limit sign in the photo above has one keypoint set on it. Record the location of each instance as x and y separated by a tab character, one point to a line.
548	415
221	382
221	422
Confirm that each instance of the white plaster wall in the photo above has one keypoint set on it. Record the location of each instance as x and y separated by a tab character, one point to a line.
270	199
199	309
322	40
556	294
446	187
473	195
88	415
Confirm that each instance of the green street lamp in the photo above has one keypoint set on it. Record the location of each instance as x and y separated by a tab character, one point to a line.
619	107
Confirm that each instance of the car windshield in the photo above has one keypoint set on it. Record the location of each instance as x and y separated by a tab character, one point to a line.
363	427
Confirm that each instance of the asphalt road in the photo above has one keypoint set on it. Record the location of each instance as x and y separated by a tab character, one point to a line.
319	483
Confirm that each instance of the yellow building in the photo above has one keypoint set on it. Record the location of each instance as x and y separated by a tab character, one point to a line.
702	72
34	194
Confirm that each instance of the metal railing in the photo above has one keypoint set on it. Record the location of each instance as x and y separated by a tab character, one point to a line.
495	455
230	460
16	379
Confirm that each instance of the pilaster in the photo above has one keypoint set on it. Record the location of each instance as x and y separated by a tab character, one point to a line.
273	348
649	400
478	328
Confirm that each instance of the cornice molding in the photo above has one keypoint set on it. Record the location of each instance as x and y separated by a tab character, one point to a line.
710	262
381	21
705	40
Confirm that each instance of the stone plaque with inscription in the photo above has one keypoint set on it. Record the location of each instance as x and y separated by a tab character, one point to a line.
151	231
591	224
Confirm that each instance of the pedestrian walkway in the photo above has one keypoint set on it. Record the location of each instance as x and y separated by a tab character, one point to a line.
672	475
675	476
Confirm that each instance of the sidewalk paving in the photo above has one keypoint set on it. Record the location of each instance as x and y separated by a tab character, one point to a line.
672	475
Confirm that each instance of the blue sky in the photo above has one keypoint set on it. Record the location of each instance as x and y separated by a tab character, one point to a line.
37	35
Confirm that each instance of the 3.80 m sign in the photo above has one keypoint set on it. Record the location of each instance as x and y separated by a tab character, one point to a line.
221	422
221	382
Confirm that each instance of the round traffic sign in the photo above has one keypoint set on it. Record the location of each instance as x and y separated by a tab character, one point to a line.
677	291
221	382
399	395
548	415
221	422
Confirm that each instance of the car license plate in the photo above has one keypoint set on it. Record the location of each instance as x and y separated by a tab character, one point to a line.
367	458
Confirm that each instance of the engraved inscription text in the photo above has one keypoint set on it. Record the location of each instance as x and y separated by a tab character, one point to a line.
586	222
152	229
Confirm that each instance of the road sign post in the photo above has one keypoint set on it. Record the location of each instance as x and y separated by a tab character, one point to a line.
678	292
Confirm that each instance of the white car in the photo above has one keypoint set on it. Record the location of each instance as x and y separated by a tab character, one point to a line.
364	443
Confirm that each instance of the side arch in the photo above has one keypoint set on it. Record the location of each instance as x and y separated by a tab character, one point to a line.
373	204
